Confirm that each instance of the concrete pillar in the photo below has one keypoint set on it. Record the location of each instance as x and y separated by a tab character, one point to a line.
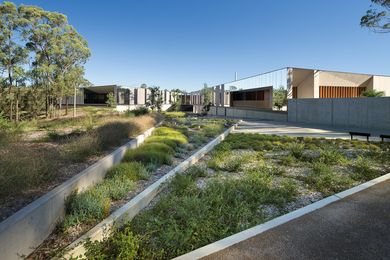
316	86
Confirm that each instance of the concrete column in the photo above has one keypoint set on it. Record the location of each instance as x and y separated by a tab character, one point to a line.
217	96
223	95
316	86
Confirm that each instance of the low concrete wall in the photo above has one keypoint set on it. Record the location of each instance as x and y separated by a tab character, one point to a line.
30	226
124	108
365	113
197	109
247	113
134	206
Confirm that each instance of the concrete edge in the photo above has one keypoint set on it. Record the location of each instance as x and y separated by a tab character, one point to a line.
29	227
256	230
135	205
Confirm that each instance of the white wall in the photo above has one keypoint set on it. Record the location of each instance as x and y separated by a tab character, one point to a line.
382	83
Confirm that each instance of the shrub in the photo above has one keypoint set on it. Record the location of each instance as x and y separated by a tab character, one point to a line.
113	133
168	136
188	217
85	207
296	149
147	157
94	204
363	170
323	179
158	147
124	245
141	111
288	160
132	170
332	157
173	115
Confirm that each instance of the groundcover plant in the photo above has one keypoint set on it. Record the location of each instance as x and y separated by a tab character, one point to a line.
246	180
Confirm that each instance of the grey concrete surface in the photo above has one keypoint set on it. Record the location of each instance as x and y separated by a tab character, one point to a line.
373	113
356	227
248	113
302	129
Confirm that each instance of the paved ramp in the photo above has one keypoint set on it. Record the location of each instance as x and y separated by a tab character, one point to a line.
356	227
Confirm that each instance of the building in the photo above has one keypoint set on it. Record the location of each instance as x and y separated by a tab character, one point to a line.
257	91
127	98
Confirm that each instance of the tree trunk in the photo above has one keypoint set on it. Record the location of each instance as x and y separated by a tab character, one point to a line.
66	106
17	104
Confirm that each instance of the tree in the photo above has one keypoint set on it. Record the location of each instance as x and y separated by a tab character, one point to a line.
155	99
207	94
372	93
176	103
280	97
13	55
111	100
377	19
58	49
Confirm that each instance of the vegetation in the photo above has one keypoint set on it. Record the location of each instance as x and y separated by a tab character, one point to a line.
155	99
22	174
111	102
189	217
57	54
373	93
378	19
280	98
246	180
207	94
94	204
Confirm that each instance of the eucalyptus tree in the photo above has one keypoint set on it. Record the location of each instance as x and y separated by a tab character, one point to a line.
377	19
13	52
57	50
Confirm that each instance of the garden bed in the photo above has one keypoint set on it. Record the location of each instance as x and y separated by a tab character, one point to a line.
167	147
246	180
31	168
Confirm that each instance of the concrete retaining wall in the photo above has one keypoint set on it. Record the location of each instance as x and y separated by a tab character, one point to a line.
366	113
30	226
134	206
248	113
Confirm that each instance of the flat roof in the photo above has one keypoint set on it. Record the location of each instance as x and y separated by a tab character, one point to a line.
333	71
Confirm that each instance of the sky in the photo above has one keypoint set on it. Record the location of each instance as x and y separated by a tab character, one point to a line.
186	43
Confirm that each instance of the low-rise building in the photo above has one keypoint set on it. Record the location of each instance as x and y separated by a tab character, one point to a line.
258	91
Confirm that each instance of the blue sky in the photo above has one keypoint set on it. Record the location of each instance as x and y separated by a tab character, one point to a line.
183	44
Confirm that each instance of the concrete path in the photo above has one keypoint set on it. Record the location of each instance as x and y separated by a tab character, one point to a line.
284	128
357	227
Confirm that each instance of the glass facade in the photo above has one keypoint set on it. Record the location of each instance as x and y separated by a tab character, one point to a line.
276	79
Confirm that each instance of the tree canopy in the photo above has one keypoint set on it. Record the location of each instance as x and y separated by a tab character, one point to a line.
41	52
377	17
